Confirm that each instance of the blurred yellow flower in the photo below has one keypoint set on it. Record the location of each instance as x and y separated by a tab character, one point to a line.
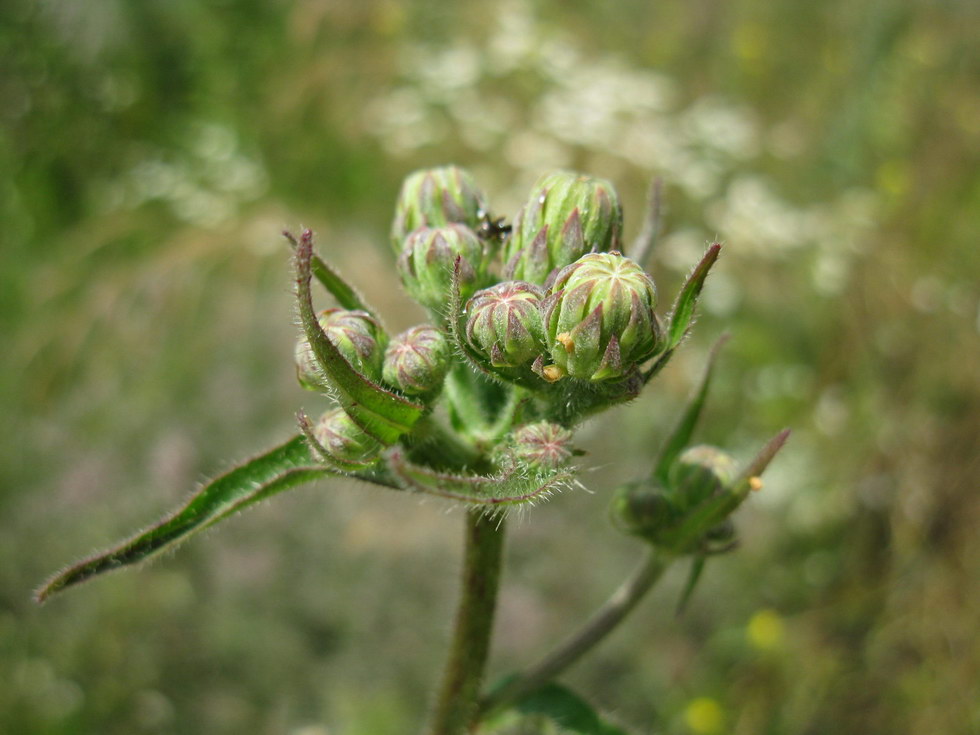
704	716
765	630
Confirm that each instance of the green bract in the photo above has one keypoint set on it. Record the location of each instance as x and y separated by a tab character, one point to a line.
417	360
566	216
700	472
504	323
343	441
599	317
358	337
435	197
427	261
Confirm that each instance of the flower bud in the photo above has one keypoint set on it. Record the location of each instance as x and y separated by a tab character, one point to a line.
505	323
700	472
436	197
566	216
417	360
343	440
643	509
599	317
428	260
542	445
358	337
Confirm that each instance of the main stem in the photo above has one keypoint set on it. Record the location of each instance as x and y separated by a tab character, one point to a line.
456	706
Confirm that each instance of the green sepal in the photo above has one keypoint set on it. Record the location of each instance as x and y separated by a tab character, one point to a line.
281	468
382	414
681	434
559	704
345	294
514	486
690	533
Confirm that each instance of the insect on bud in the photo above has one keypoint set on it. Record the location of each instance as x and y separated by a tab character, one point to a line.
541	446
358	337
566	216
435	197
505	323
700	472
599	317
417	360
428	260
344	441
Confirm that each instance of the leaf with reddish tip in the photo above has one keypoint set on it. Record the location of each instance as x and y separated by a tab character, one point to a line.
382	414
512	487
681	435
281	468
682	315
345	294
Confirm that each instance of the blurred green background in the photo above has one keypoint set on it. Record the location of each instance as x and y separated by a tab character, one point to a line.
151	151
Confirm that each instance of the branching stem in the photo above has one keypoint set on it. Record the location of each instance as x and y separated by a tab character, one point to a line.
456	707
602	622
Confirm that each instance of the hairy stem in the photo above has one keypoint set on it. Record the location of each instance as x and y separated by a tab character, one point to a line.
456	707
602	622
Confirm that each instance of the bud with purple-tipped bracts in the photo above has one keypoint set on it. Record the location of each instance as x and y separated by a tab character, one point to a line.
417	360
344	441
356	334
566	216
542	445
504	323
427	263
599	317
435	197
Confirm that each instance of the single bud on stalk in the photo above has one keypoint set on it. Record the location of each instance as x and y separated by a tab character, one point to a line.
643	509
542	445
566	216
358	337
344	441
599	317
426	264
700	472
505	323
436	197
417	360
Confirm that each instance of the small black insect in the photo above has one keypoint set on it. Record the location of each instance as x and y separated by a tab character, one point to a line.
490	228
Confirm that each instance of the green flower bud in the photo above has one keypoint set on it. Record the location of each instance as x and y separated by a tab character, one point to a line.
566	216
436	197
540	446
599	317
344	441
417	360
429	257
358	337
642	509
505	323
700	472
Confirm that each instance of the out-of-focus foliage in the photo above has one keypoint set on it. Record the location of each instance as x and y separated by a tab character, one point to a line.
151	151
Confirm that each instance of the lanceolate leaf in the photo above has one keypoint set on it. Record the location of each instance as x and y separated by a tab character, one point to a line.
513	487
380	413
281	468
566	709
681	435
682	314
346	296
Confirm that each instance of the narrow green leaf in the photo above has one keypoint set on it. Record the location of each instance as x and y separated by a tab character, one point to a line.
281	468
567	710
682	315
379	412
681	435
697	567
345	294
513	487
